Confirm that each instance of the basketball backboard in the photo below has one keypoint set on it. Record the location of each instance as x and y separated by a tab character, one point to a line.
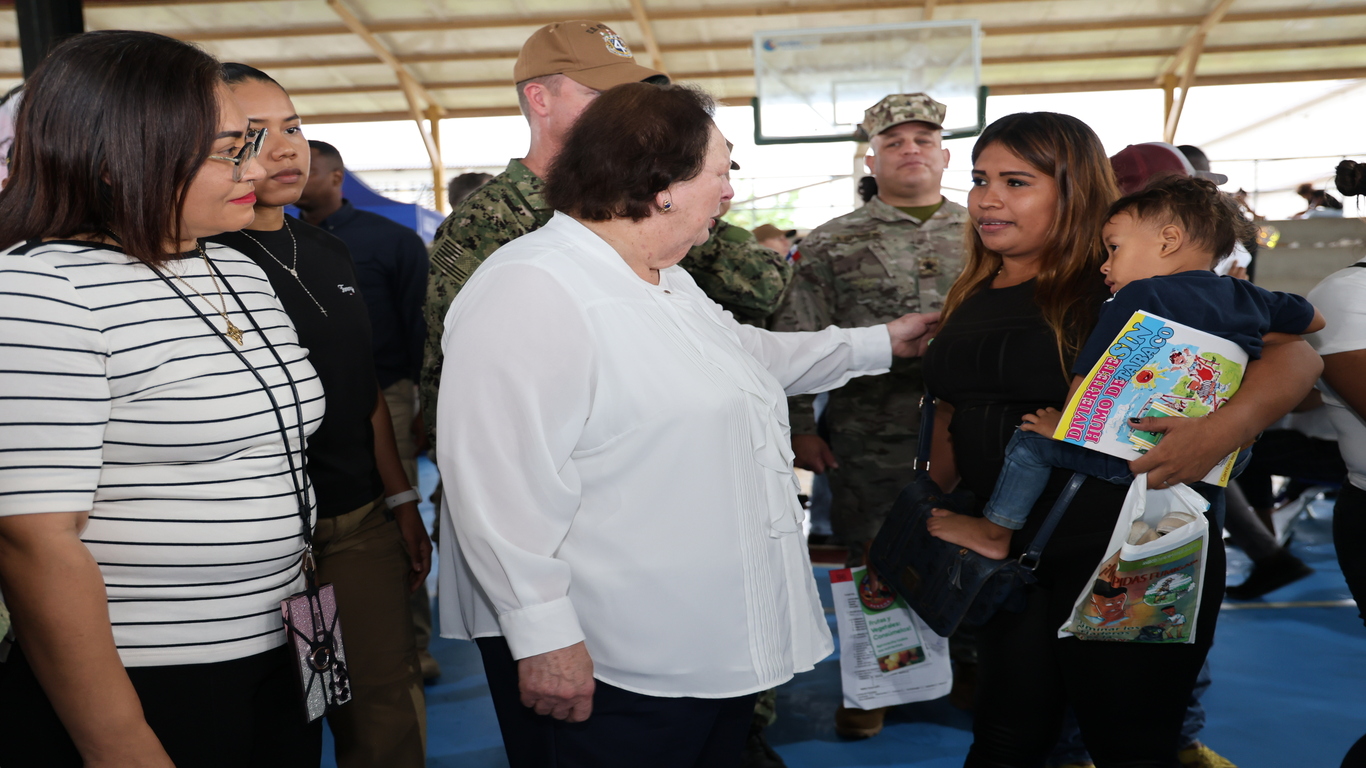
814	84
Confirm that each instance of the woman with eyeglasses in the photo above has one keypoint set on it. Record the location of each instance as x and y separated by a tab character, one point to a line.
154	403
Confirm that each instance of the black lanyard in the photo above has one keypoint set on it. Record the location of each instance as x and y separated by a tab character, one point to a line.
300	491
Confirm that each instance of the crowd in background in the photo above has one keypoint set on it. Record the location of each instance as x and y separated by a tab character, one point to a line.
211	407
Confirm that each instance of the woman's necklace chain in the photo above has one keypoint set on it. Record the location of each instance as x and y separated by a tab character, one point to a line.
232	331
293	267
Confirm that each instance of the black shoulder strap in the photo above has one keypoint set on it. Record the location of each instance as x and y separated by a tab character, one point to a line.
1030	559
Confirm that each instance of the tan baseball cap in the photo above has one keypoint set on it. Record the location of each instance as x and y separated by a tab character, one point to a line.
897	109
587	52
766	231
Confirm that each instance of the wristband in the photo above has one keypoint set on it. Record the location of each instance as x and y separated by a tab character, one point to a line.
393	502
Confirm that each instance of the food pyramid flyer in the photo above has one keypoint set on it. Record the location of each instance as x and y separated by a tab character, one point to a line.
1155	367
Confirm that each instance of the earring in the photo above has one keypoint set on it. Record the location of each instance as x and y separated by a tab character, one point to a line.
668	205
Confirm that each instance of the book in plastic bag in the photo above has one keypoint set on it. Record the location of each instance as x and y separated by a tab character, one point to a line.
1155	367
1147	589
888	656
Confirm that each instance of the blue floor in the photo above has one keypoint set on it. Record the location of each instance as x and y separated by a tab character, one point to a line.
1289	687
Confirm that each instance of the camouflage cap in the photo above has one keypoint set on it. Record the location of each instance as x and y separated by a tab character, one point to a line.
587	52
897	109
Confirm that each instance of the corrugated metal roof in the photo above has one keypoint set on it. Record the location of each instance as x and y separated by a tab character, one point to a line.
462	51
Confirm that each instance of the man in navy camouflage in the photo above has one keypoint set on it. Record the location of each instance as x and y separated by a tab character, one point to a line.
746	277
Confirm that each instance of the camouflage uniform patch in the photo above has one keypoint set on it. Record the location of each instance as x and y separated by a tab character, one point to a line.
864	268
509	206
735	271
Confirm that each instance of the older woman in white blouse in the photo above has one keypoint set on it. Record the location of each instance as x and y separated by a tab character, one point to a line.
616	458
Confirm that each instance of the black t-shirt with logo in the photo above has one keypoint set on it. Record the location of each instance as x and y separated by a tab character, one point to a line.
341	458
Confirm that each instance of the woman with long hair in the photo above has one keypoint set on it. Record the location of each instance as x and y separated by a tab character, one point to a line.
1014	323
153	411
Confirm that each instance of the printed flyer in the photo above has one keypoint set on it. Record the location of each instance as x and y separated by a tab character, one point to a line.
1155	367
887	654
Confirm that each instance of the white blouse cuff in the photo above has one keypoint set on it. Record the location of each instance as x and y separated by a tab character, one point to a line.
872	349
541	628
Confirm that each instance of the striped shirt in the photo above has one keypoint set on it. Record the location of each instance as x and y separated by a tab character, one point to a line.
117	398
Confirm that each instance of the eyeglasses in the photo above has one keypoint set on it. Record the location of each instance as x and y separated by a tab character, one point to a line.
245	155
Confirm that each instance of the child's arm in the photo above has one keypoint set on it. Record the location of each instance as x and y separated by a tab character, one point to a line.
943	470
1317	324
1045	421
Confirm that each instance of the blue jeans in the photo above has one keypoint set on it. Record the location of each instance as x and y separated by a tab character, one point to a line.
1030	461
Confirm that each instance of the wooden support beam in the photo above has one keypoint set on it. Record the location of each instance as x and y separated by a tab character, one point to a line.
1168	97
927	13
413	91
336	90
362	117
1000	89
647	31
434	114
1201	33
405	78
136	3
1152	53
438	57
1295	13
1138	84
1187	80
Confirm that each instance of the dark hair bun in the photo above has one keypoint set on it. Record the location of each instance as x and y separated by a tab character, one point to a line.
1351	178
867	188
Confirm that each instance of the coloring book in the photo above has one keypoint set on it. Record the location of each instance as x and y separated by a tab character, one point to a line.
1155	367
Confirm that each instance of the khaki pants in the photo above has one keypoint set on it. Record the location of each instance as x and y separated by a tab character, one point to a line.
385	724
399	396
872	472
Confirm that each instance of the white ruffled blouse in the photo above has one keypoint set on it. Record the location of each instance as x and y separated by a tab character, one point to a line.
617	468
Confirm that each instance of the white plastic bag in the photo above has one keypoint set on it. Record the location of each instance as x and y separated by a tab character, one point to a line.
888	656
1147	589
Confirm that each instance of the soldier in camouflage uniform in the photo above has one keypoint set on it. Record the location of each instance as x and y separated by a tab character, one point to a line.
899	253
747	279
865	268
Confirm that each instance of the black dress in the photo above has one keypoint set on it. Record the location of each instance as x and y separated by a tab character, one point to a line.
995	360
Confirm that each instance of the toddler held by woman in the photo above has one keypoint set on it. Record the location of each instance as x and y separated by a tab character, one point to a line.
1163	242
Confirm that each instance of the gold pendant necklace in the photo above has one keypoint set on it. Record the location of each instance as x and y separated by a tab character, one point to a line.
232	331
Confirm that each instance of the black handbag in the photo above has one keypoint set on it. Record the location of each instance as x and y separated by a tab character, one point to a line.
945	584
